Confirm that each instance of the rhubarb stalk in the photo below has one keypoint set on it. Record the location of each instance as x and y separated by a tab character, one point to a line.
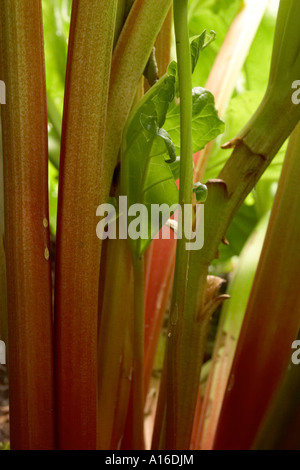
25	162
78	248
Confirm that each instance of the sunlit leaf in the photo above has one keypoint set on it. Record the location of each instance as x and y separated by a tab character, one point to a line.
146	177
206	124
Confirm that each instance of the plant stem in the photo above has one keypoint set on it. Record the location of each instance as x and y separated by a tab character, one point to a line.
230	59
138	349
25	161
255	148
174	387
78	248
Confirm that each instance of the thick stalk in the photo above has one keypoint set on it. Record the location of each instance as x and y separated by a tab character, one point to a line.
230	60
129	61
174	390
78	248
25	160
286	34
254	149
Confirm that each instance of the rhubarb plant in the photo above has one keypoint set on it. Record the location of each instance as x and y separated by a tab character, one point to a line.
125	124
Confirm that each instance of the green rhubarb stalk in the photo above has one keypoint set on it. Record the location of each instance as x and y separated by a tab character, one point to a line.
135	420
278	98
78	248
174	389
254	150
235	46
25	164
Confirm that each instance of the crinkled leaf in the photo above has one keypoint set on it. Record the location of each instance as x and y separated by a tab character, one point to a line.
206	124
198	43
162	144
146	177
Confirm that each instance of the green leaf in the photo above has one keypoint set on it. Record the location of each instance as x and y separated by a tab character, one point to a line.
206	123
150	162
164	143
198	44
146	177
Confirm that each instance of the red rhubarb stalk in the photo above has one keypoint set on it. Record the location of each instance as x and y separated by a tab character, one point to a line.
25	161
